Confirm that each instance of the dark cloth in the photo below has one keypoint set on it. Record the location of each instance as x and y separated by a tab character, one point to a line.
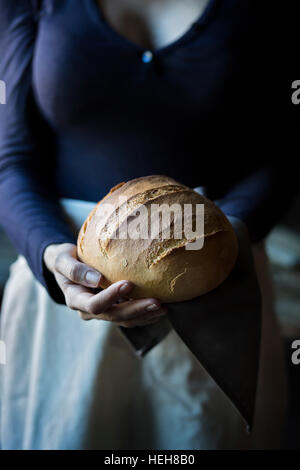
85	111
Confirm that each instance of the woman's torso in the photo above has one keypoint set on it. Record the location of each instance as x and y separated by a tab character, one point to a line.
116	114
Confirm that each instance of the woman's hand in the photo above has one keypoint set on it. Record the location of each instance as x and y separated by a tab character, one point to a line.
77	281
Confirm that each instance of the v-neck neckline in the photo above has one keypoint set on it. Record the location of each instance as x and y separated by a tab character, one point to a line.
99	17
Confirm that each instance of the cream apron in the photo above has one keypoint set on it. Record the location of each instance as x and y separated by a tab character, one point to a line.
71	384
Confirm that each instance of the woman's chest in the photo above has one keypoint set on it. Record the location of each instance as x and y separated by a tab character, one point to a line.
84	71
152	23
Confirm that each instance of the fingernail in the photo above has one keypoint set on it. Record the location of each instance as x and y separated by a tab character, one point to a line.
125	288
92	278
152	307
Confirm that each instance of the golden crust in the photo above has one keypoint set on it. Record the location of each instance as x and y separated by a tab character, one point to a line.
158	267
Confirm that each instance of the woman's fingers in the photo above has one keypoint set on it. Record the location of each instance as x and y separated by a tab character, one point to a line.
76	296
103	306
67	264
129	314
133	310
76	280
137	322
100	302
80	298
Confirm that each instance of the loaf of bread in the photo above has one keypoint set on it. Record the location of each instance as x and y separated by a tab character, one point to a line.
160	267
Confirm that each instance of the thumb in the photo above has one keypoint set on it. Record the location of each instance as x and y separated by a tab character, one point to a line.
67	264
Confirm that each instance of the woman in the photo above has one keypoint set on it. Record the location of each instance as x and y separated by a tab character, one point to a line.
98	93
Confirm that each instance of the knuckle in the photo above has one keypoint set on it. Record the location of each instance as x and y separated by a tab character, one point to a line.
114	316
69	302
113	293
75	272
93	309
58	261
135	311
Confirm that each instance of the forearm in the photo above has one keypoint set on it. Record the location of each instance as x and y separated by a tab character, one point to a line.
262	199
32	219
